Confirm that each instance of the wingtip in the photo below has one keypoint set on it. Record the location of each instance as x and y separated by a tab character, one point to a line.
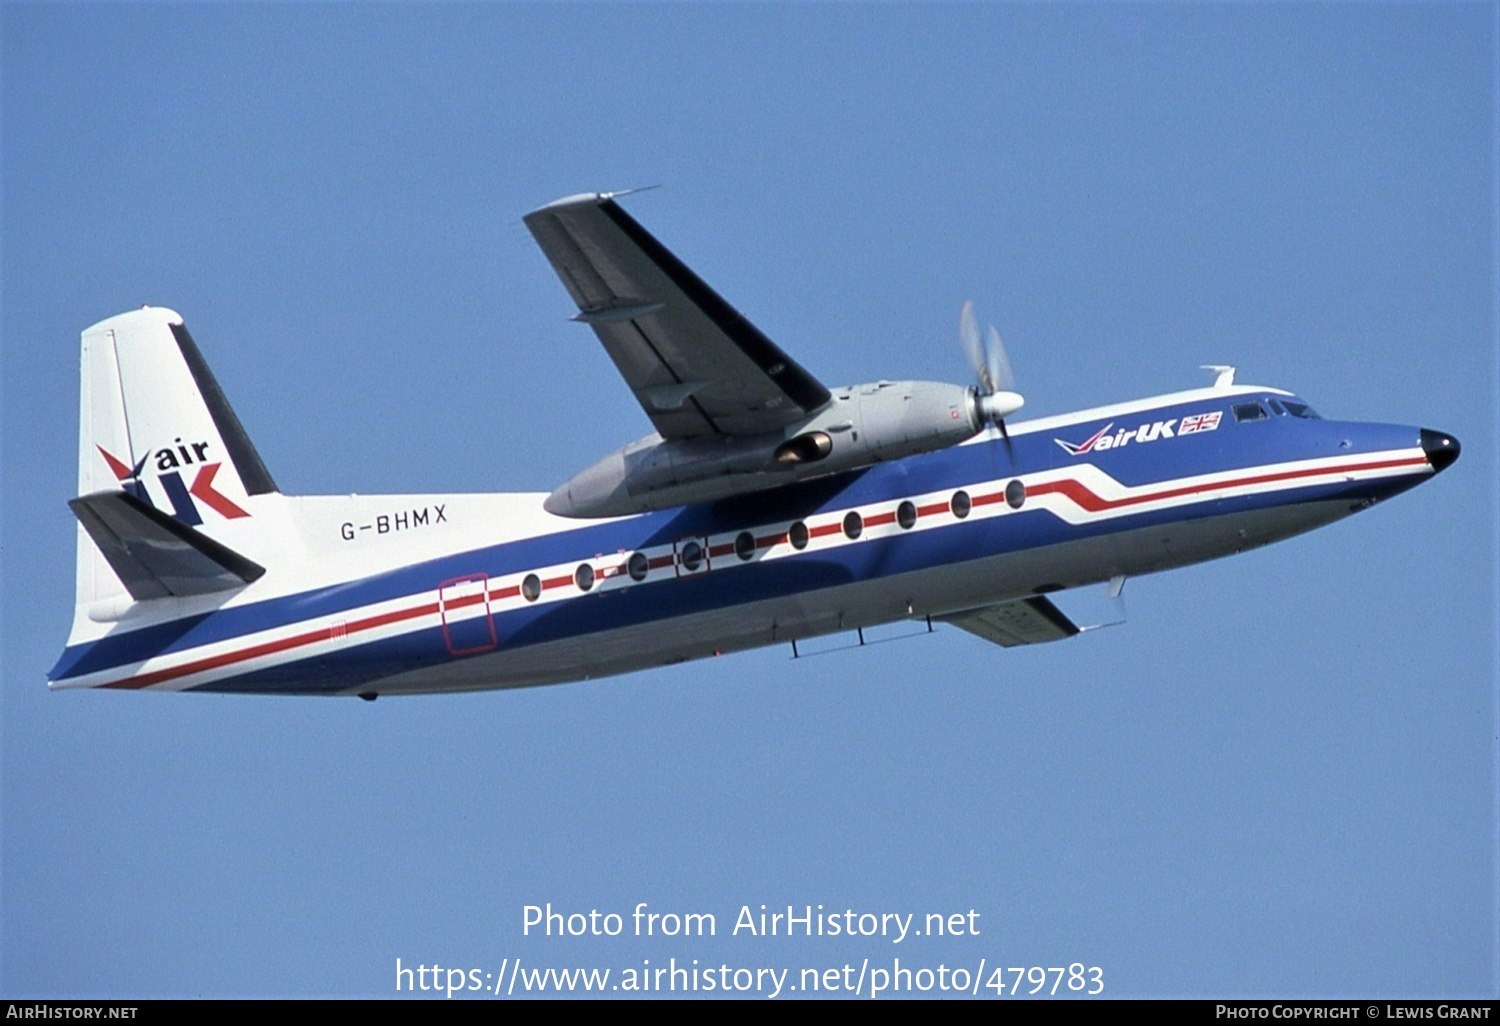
581	199
586	199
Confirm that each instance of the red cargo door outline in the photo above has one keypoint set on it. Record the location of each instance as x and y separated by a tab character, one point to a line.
466	635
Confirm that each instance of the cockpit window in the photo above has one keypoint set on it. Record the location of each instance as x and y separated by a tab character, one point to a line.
1249	411
1302	410
1276	407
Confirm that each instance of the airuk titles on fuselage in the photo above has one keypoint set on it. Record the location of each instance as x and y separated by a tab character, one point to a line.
1103	439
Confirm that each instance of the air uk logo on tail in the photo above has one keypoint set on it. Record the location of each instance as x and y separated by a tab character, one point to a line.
170	463
1102	439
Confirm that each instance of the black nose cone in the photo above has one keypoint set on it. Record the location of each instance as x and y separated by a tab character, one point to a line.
1441	449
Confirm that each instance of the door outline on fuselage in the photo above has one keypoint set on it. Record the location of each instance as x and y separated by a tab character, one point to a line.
452	594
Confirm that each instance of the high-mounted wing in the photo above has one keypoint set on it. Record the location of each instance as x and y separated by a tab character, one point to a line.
695	364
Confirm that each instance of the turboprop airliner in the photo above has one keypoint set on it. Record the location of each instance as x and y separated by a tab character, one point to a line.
764	509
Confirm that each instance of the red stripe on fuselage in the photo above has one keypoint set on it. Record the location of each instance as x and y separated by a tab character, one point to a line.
1072	489
1085	498
271	647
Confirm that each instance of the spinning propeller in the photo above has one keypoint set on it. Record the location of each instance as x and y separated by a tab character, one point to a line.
996	398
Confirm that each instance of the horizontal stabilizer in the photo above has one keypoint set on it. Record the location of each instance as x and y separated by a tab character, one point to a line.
155	555
1027	621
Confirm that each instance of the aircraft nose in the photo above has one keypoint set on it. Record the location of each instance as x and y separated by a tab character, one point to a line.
1441	449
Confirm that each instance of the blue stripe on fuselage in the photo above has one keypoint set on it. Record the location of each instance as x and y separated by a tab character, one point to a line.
1231	446
656	601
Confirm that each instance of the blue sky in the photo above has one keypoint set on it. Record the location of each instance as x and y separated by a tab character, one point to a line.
1278	779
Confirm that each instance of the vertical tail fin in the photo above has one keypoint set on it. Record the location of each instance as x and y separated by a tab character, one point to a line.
153	422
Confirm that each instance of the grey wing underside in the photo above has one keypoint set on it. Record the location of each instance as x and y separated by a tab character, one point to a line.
695	364
1028	621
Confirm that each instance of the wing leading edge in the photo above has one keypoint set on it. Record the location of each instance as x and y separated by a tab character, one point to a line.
695	364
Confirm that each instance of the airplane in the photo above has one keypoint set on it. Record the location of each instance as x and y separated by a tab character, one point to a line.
766	508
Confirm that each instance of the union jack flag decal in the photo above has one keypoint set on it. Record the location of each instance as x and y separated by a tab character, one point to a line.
1200	422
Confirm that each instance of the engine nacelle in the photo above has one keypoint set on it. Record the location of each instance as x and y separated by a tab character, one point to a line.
858	427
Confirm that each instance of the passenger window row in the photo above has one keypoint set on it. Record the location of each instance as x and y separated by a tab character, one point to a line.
692	555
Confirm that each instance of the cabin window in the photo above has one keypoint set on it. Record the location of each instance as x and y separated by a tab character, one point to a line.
1015	495
1302	410
906	515
854	524
961	504
584	577
638	566
1249	411
797	535
744	545
692	556
531	588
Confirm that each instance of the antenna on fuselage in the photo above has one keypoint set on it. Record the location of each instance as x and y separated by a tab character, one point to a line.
1225	374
